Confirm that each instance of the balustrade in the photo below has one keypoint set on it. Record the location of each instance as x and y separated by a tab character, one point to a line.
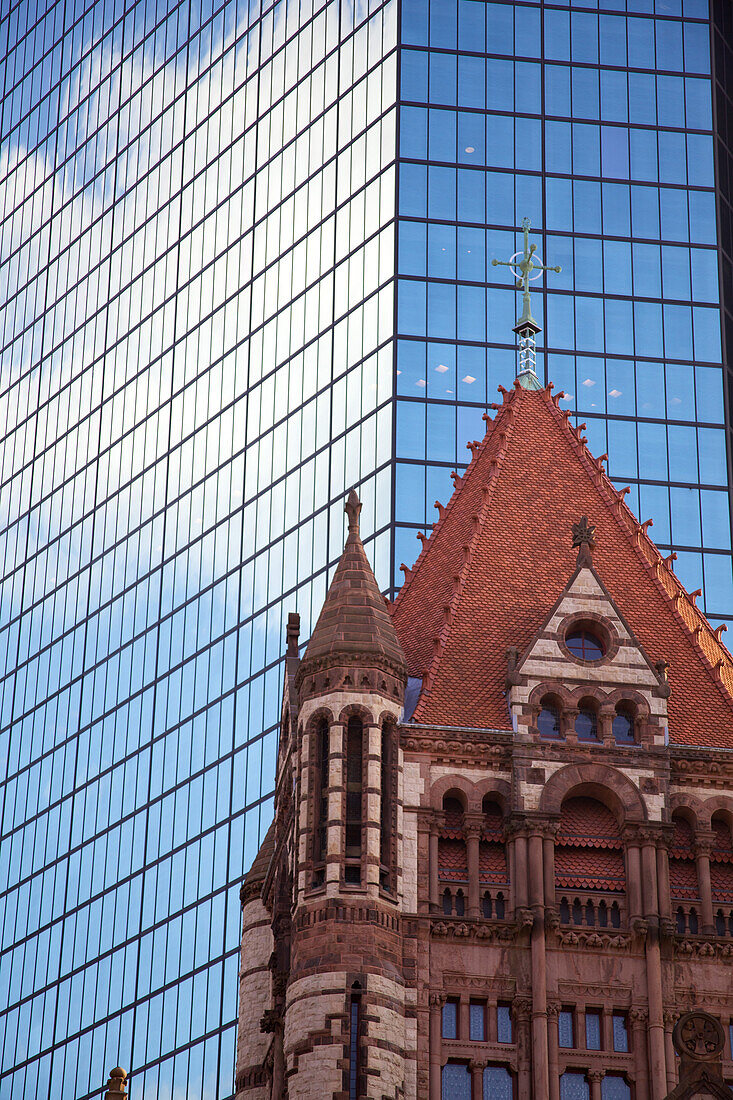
592	909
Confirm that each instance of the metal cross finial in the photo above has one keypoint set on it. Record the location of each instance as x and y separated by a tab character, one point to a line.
523	264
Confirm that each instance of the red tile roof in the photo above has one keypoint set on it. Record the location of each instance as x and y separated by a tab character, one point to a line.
683	839
492	864
721	880
500	556
581	869
722	847
452	860
586	823
683	878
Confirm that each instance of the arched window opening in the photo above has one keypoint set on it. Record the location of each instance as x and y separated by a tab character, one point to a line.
388	824
500	906
586	723
721	861
683	884
452	855
460	903
321	801
720	923
589	860
623	726
680	921
487	905
548	720
447	902
692	922
354	788
493	868
354	1045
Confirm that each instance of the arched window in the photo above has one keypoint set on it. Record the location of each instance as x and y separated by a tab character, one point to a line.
682	867
586	723
548	721
721	861
387	822
588	856
623	725
493	871
452	855
354	787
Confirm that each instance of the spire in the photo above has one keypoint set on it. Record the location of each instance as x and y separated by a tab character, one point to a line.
354	627
526	327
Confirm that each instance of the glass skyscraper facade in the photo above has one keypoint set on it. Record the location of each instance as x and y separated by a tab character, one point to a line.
244	265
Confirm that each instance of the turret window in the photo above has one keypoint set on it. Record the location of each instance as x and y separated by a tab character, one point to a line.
321	800
354	786
387	823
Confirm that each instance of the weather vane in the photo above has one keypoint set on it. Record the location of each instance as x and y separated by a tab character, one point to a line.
526	328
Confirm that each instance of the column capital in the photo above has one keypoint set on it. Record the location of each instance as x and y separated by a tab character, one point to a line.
477	1065
670	1017
522	1008
596	1075
437	1000
639	1017
553	1010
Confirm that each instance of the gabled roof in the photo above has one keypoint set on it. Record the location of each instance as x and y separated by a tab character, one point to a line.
500	556
354	625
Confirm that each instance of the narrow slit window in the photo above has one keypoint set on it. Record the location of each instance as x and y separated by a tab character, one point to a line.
354	785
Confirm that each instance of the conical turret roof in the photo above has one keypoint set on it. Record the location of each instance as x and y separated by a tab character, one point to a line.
500	556
354	626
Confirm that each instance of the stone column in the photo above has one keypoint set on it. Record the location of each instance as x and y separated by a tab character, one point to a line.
433	866
473	837
650	891
606	715
638	1019
540	1059
548	861
595	1076
520	872
633	877
335	841
665	903
553	1010
477	1079
670	1019
437	1000
536	874
522	1008
703	847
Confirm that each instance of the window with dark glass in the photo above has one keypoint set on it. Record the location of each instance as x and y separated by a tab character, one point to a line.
477	1019
565	1028
503	1023
548	722
623	726
386	810
592	1029
321	800
354	1044
584	644
620	1032
354	783
450	1019
586	723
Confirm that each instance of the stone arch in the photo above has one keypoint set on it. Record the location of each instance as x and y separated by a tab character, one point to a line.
558	690
608	785
317	716
357	710
456	785
499	790
687	806
711	806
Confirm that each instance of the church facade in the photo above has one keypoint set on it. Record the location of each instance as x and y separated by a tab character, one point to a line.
501	864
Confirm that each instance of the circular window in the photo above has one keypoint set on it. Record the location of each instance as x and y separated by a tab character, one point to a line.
585	645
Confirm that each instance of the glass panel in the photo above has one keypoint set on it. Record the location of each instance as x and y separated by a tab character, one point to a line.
450	1020
620	1033
565	1028
456	1082
497	1084
592	1029
504	1023
574	1086
478	1021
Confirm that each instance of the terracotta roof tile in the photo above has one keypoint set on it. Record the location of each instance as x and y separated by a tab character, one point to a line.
452	860
721	880
683	878
722	847
683	839
586	823
500	556
589	869
492	863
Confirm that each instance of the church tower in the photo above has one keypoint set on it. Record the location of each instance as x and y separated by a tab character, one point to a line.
501	866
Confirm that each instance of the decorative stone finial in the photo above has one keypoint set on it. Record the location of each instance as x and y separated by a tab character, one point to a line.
292	633
699	1040
116	1085
584	537
352	509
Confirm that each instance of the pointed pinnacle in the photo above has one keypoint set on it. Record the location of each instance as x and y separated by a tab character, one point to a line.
352	509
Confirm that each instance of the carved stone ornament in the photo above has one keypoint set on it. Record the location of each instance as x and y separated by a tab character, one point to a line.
699	1036
584	532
